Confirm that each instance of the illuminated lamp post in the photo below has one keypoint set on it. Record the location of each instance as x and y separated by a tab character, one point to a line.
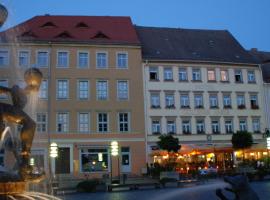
53	154
114	153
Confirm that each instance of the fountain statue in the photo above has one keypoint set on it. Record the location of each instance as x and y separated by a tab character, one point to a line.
13	184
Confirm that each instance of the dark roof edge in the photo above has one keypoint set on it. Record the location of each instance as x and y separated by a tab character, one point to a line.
179	28
198	61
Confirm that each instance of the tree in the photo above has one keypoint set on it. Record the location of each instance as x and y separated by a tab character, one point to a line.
169	143
242	140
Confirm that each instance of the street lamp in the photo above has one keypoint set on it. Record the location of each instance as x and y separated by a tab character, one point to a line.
53	150
115	152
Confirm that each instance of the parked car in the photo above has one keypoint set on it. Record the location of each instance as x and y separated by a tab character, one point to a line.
210	170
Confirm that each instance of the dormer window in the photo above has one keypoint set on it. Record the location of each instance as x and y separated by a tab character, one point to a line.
82	25
100	35
64	34
48	24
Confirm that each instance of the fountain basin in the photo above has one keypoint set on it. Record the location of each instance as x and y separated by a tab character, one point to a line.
12	187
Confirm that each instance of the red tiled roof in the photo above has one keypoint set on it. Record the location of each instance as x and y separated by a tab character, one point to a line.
85	29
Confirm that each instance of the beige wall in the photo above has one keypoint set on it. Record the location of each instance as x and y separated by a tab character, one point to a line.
134	105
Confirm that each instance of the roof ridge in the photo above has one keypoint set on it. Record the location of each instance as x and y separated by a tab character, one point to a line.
175	28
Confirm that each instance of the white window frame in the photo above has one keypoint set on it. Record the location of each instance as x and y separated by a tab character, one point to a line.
196	74
240	98
213	100
215	127
243	126
66	129
57	94
117	60
101	97
83	123
125	122
155	127
249	76
119	92
225	75
168	74
79	97
256	125
169	100
47	58
184	103
185	125
154	70
155	99
238	72
6	64
41	122
57	59
208	75
106	60
171	127
197	99
28	58
42	90
228	125
200	126
98	122
78	59
227	101
182	73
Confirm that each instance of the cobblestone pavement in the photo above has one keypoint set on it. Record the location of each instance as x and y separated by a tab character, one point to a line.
201	192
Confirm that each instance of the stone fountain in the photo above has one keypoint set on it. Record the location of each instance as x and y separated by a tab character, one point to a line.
13	184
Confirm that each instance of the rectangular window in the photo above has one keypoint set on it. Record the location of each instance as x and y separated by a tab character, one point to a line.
62	59
238	76
4	58
83	60
228	126
171	128
198	100
3	83
43	90
156	127
168	74
243	125
213	100
123	120
102	60
183	74
215	127
196	75
83	122
155	100
41	122
122	90
122	60
62	122
227	103
211	74
200	126
254	101
256	125
224	76
184	101
42	59
153	74
62	89
103	122
169	100
102	90
23	60
83	89
251	77
186	127
94	160
241	101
